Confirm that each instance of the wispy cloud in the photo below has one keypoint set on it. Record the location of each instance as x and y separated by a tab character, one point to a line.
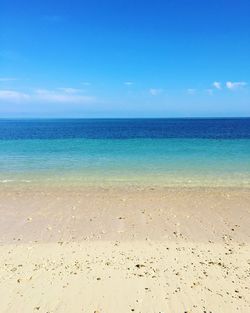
191	91
235	85
70	90
155	91
7	79
61	97
86	83
13	96
128	83
217	85
44	95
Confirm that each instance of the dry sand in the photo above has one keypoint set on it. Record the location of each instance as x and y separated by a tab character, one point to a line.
130	249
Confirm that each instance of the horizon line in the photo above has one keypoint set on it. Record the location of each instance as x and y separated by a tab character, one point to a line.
123	118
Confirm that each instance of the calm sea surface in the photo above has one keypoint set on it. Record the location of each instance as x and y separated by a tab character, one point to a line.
171	152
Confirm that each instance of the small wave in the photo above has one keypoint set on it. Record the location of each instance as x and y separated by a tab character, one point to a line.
4	181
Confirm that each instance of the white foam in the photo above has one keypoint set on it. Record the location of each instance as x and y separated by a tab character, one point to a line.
4	181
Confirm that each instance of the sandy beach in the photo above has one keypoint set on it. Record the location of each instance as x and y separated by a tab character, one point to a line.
124	249
125	156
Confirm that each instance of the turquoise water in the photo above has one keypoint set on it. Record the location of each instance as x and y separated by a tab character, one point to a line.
164	161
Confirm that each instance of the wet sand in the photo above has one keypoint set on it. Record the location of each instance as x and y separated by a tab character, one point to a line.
133	249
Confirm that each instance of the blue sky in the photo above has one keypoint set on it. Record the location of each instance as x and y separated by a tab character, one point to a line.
129	58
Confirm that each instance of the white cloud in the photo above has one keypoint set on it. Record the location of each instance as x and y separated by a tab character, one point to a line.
235	85
217	85
155	91
44	95
7	79
128	83
13	96
191	91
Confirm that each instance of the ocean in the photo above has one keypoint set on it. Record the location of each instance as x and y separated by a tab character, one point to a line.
168	152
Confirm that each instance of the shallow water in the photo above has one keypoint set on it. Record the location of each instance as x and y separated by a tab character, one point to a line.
172	152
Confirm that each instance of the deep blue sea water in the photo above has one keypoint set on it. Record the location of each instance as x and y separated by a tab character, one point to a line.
172	152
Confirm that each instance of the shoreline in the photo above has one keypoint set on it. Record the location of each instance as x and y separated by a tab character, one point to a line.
46	213
143	180
28	184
